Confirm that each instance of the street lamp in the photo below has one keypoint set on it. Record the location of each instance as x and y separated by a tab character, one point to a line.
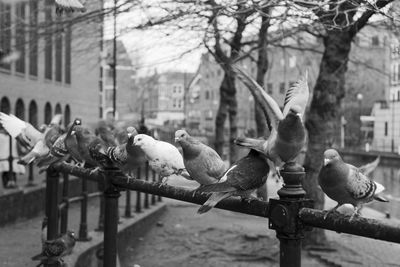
359	99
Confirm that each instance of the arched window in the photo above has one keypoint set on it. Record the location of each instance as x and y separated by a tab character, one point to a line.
67	116
20	109
5	106
33	114
47	113
58	109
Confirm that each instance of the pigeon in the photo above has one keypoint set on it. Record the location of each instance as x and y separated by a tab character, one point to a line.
41	149
71	144
288	134
346	183
25	134
91	148
54	250
127	156
164	158
58	152
105	131
203	163
241	179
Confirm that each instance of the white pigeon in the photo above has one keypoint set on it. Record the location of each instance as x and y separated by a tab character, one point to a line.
164	158
346	183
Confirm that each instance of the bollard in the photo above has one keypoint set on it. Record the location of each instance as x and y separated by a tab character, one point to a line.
283	214
83	227
111	195
138	194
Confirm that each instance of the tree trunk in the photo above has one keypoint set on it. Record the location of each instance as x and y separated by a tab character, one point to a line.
323	117
262	67
222	114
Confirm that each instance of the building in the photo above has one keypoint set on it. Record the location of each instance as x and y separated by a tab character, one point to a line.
57	70
124	88
366	82
161	97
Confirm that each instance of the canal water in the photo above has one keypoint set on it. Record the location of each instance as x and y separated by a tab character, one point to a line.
389	176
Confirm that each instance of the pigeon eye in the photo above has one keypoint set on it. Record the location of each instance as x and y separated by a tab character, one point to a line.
182	135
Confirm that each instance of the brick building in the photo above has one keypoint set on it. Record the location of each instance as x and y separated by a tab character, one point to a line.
58	66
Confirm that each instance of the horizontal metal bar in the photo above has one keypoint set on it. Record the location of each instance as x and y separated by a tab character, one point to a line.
256	207
358	226
78	171
78	198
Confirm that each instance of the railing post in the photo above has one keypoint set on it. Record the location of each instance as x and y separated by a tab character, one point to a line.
10	163
111	195
146	195
30	175
283	214
153	197
138	208
52	179
100	226
83	227
64	211
128	208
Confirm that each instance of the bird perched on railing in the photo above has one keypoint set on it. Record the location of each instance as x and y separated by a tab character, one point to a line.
104	130
58	152
164	158
54	250
241	179
127	156
347	184
91	148
288	135
203	163
36	142
71	144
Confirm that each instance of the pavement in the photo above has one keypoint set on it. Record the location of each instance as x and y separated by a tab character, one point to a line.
20	241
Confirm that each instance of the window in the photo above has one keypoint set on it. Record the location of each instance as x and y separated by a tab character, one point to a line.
67	116
48	46
58	109
20	109
395	73
20	37
207	94
5	32
33	114
375	40
5	106
47	113
67	63
282	88
386	128
270	88
33	38
58	55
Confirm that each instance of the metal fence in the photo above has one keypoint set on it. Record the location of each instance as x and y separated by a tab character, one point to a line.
290	215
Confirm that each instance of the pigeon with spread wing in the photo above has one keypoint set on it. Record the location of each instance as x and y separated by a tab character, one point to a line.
288	135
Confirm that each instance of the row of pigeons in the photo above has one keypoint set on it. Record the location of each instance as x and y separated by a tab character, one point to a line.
128	149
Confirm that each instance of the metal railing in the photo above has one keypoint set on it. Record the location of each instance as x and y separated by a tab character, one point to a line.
57	209
290	215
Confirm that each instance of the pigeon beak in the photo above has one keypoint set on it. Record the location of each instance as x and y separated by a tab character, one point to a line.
326	161
176	139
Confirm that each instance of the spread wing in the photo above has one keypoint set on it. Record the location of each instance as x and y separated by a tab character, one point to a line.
370	167
267	103
297	94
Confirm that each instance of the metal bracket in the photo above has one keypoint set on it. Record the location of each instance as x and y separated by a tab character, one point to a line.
283	216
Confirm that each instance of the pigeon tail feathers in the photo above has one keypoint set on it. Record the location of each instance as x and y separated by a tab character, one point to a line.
212	201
